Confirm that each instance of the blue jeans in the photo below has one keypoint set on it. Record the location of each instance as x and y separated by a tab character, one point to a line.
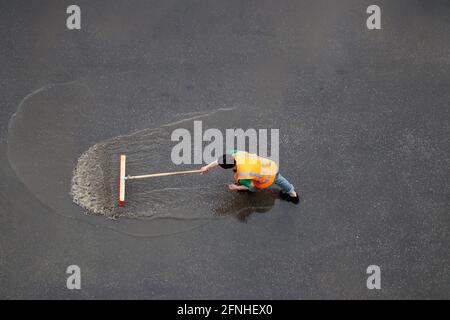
282	182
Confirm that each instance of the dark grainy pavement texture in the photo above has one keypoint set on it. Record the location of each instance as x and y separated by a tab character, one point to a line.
364	135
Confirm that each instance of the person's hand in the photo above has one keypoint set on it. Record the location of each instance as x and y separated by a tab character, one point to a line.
233	186
204	169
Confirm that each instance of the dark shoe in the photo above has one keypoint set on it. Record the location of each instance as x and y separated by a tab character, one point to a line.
295	199
287	197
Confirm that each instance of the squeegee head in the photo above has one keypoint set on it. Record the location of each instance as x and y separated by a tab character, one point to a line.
122	179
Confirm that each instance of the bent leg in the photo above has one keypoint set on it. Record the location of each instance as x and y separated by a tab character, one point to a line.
283	183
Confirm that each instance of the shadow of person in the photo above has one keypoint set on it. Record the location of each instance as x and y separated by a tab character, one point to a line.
244	203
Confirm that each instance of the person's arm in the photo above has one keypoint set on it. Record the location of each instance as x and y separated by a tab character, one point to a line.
215	163
244	184
237	187
208	167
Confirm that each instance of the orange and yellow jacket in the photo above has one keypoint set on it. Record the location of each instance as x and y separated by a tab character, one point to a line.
260	170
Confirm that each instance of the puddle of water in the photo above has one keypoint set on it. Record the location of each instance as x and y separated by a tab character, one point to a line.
54	124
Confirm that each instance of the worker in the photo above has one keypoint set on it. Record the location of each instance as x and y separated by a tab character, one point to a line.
253	173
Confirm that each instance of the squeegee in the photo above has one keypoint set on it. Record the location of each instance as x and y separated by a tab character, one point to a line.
123	177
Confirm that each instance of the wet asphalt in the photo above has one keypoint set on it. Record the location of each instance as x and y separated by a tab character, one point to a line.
364	126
